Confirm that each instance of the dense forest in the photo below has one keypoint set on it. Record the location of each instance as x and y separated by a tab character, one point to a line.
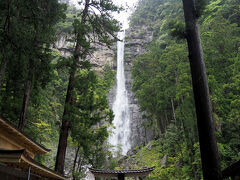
163	85
42	92
61	101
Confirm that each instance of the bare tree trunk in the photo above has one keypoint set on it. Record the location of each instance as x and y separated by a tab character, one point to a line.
166	119
207	137
173	111
75	161
160	125
80	160
27	91
62	145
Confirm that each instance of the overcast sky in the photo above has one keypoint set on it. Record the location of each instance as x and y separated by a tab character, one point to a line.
123	16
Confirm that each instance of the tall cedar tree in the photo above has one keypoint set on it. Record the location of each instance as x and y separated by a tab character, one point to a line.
206	130
27	31
89	109
93	25
45	15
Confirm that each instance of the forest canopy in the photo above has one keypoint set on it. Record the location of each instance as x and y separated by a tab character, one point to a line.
162	81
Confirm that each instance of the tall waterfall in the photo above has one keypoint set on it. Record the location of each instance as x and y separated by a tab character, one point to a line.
120	108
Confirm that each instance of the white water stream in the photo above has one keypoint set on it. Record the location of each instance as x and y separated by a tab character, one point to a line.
121	133
120	136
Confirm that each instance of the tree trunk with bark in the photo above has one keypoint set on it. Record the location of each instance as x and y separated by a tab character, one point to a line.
75	162
80	161
166	119
161	125
27	91
173	111
62	145
2	71
207	137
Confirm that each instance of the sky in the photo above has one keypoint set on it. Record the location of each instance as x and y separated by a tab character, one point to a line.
123	16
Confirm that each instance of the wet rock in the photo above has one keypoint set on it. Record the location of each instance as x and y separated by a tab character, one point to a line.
98	58
149	146
131	152
136	41
164	160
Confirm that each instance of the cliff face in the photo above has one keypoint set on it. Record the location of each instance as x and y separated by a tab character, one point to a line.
136	40
102	56
98	59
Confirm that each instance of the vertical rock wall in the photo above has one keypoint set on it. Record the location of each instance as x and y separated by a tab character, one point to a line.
136	40
98	59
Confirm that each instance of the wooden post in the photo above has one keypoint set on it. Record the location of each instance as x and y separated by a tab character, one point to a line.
121	176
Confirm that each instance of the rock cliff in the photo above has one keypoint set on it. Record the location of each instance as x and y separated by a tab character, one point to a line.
98	59
136	42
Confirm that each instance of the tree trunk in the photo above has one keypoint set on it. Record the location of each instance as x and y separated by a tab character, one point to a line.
2	71
166	119
62	145
75	161
27	91
80	160
173	111
160	125
207	137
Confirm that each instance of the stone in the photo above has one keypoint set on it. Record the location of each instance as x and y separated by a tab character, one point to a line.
164	160
98	58
149	146
136	40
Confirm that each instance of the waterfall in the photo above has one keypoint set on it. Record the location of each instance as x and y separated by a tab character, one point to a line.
120	108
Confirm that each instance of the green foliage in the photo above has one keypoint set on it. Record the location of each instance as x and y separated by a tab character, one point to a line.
108	77
86	104
162	83
175	166
177	29
28	32
90	118
200	7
